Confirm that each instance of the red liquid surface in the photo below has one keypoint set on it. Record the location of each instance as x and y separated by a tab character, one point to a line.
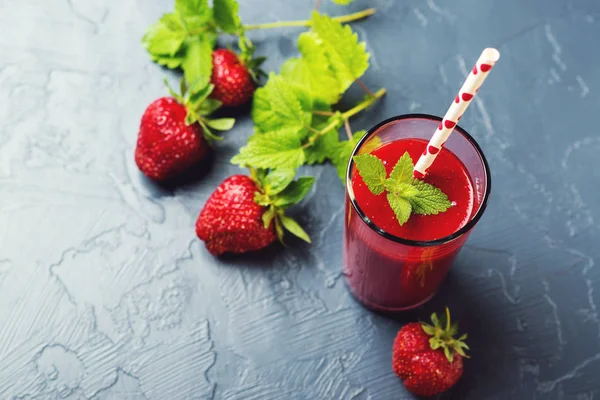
446	173
390	276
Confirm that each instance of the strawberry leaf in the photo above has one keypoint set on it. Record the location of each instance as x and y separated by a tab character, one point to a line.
268	216
277	180
221	124
293	227
207	132
294	192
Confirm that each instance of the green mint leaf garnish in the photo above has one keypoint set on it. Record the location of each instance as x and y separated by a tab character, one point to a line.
271	150
197	64
372	171
403	170
226	15
313	70
429	200
405	194
348	58
401	207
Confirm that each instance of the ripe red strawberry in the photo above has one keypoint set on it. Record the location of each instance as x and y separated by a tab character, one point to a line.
427	357
246	214
233	82
166	146
172	133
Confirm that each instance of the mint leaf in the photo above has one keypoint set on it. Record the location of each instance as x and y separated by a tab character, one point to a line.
191	8
322	148
282	106
313	70
403	170
293	227
197	64
294	192
170	62
277	180
341	155
271	150
404	190
348	58
226	15
326	144
164	37
372	170
429	200
401	207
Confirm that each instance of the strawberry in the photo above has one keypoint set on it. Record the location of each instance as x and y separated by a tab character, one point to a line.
233	83
235	77
247	213
428	358
173	132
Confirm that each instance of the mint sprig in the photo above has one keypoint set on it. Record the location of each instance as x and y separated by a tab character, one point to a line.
294	120
405	194
185	37
278	191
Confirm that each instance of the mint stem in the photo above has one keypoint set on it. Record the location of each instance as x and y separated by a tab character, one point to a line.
364	87
280	24
348	129
345	116
364	104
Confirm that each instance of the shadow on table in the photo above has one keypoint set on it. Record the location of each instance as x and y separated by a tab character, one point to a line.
188	178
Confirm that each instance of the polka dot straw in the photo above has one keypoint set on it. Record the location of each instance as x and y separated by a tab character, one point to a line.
480	71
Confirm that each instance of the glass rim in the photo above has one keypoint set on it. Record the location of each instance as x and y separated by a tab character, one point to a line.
419	243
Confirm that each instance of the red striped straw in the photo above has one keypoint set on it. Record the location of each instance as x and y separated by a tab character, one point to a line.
480	71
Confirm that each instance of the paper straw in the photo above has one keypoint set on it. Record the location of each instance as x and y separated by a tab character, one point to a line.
480	71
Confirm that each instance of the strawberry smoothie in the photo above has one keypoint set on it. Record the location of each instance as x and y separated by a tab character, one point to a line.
392	267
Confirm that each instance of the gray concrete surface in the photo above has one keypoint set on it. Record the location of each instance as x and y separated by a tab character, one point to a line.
106	294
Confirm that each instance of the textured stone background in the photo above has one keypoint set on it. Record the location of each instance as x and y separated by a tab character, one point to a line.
106	294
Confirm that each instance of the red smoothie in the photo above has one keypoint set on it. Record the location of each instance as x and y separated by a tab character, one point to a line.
447	173
392	274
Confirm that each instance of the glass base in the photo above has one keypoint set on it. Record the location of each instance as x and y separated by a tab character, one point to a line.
383	309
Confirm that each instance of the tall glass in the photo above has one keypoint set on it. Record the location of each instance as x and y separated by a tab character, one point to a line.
389	273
